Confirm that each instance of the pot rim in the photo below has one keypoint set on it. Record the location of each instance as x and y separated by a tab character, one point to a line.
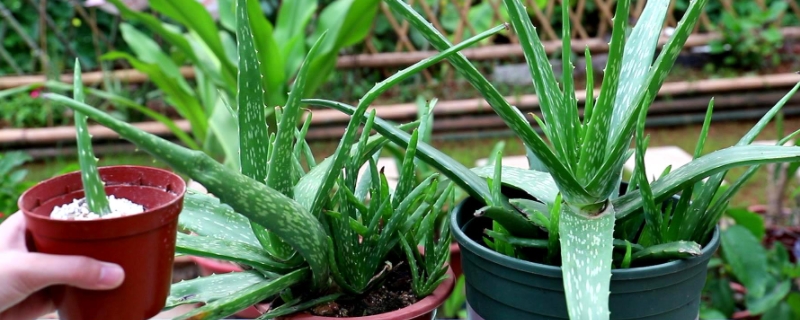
421	307
28	212
555	272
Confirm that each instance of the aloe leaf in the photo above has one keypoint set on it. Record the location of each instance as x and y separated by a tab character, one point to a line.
553	242
652	213
454	170
537	212
211	288
127	103
644	98
626	260
568	112
566	182
253	152
282	310
670	250
538	184
586	254
550	97
639	52
93	186
246	196
249	296
594	153
588	109
306	189
705	166
408	173
227	250
207	216
371	95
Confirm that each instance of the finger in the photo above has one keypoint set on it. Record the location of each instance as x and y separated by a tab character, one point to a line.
12	233
33	307
82	272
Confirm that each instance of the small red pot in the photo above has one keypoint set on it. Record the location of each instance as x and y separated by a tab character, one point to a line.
422	310
455	259
142	244
210	266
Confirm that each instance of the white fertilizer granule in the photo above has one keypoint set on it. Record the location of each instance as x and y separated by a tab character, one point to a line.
79	210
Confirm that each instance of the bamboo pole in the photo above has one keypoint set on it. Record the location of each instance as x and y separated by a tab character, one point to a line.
327	117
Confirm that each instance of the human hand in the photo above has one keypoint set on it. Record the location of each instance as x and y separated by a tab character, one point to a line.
24	274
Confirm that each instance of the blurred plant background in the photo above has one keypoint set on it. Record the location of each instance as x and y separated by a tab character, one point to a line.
170	64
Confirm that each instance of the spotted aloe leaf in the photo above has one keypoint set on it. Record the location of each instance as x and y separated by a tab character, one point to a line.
207	216
249	296
239	252
211	288
93	187
259	203
379	88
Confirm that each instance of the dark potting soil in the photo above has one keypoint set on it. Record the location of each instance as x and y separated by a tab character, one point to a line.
393	294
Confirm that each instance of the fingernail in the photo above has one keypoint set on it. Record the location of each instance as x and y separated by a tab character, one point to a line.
111	275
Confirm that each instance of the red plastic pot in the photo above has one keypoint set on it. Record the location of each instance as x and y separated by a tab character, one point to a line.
455	259
142	244
422	310
210	266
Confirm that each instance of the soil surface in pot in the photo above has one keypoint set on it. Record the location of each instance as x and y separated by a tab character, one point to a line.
393	294
78	209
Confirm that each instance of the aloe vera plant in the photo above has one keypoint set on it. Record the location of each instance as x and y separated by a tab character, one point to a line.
576	178
302	229
93	187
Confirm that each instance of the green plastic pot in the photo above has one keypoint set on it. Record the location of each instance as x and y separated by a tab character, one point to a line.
501	287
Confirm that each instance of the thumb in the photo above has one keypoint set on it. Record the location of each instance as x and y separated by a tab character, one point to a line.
77	271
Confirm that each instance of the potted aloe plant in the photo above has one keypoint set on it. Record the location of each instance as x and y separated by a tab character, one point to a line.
314	238
548	251
126	215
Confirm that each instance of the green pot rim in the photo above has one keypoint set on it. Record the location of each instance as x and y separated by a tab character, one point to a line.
552	271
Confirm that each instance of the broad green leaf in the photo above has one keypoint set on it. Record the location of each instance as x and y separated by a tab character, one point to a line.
195	17
750	220
174	38
746	258
183	100
211	288
205	215
293	16
769	300
93	186
239	252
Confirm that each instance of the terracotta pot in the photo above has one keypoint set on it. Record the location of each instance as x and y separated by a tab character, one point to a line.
455	259
142	244
424	309
210	266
